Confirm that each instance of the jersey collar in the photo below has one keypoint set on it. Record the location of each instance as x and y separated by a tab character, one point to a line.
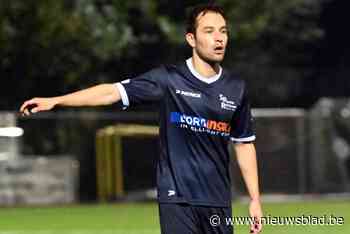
207	80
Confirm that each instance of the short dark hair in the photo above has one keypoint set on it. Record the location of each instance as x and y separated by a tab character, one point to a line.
195	11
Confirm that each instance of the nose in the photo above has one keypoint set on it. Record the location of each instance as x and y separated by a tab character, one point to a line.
218	36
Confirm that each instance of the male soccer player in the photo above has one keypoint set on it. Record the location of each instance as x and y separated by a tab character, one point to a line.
202	107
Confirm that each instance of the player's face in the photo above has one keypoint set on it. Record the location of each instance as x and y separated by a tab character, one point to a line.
210	39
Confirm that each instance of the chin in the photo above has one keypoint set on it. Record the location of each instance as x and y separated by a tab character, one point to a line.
216	59
212	58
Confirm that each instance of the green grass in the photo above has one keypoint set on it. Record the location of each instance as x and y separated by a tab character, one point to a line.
142	218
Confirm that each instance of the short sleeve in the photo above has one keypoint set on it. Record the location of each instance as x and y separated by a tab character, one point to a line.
145	89
242	123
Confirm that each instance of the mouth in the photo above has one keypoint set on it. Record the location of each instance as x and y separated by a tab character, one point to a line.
219	50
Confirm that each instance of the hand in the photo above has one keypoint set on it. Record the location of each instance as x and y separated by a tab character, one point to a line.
255	212
37	104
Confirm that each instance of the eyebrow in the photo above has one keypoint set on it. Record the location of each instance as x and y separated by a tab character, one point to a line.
212	27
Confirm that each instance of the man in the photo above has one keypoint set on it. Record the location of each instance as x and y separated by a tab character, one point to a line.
202	107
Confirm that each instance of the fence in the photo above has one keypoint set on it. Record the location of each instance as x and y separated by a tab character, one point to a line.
298	151
280	145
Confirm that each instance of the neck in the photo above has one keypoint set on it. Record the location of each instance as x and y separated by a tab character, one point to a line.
204	68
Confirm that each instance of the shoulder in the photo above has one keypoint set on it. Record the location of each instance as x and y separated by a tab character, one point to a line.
171	71
165	69
174	68
159	70
156	74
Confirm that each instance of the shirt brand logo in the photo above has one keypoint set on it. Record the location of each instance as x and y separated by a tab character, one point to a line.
227	104
171	193
188	94
127	81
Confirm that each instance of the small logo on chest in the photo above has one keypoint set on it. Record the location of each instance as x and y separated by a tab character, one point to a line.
188	94
171	193
227	104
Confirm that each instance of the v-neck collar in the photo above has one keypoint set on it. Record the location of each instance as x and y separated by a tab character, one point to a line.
207	80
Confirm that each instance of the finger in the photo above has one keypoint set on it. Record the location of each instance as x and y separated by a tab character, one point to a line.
252	229
35	110
26	112
23	106
255	227
258	226
26	103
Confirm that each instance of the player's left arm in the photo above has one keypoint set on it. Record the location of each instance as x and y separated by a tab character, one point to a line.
246	157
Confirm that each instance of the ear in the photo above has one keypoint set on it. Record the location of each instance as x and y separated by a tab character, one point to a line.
191	40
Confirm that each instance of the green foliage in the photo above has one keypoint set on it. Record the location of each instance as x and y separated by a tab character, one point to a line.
67	44
273	43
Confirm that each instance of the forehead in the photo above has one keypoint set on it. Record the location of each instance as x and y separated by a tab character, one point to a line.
210	19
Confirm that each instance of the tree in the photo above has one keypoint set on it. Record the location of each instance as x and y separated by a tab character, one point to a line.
52	47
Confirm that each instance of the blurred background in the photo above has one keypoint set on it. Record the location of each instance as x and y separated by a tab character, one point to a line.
294	55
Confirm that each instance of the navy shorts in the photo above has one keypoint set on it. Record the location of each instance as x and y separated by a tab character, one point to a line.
177	218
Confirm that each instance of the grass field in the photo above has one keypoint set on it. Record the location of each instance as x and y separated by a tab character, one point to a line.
136	218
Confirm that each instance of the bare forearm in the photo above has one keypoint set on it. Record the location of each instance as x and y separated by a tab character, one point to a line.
103	94
246	157
98	95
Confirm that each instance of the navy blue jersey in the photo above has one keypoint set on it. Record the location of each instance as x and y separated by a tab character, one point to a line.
198	117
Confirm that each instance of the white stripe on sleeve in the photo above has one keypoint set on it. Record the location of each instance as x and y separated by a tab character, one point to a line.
123	94
245	139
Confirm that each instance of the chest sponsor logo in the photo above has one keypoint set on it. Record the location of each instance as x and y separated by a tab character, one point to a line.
188	94
198	124
227	104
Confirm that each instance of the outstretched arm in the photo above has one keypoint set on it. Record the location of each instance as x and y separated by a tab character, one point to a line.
246	157
103	94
